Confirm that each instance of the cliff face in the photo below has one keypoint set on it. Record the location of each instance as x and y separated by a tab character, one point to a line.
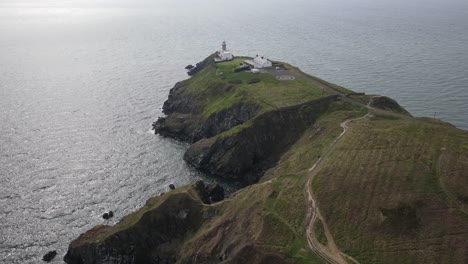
154	235
241	140
246	154
179	227
184	121
385	103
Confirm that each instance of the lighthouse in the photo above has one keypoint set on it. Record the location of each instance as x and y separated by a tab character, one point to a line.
223	54
223	46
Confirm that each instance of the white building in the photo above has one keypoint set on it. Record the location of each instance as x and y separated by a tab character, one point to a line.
259	62
224	54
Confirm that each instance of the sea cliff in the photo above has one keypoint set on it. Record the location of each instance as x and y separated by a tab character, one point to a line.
331	176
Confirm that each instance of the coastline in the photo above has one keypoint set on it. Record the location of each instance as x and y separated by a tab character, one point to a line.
247	139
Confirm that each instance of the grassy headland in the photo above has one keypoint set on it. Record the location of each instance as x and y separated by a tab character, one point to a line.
391	190
223	87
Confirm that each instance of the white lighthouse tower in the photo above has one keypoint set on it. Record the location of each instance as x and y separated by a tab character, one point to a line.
223	46
224	54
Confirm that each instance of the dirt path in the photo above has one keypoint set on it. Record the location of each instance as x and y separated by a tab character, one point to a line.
329	253
325	87
451	196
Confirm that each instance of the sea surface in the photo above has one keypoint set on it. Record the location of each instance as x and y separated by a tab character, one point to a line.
82	81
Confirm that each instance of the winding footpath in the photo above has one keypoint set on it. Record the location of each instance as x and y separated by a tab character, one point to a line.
329	253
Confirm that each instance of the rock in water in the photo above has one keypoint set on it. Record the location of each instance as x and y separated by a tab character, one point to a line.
49	256
171	186
105	216
111	214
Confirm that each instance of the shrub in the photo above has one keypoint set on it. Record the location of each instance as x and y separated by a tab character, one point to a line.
235	81
244	68
254	80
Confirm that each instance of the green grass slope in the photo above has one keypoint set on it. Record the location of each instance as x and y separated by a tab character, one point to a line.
268	218
267	92
394	191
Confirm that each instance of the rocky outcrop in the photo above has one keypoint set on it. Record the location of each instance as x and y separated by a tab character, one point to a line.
184	108
386	103
153	234
201	65
191	127
211	193
245	155
179	227
180	102
224	120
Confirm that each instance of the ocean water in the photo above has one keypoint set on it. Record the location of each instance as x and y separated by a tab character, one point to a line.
81	82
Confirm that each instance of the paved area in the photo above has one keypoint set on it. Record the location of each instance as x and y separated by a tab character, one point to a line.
280	74
285	77
273	71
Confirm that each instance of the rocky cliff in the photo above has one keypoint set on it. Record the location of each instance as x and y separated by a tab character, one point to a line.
179	227
153	234
245	154
237	142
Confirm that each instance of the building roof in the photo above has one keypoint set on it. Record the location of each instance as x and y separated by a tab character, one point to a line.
223	56
261	60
